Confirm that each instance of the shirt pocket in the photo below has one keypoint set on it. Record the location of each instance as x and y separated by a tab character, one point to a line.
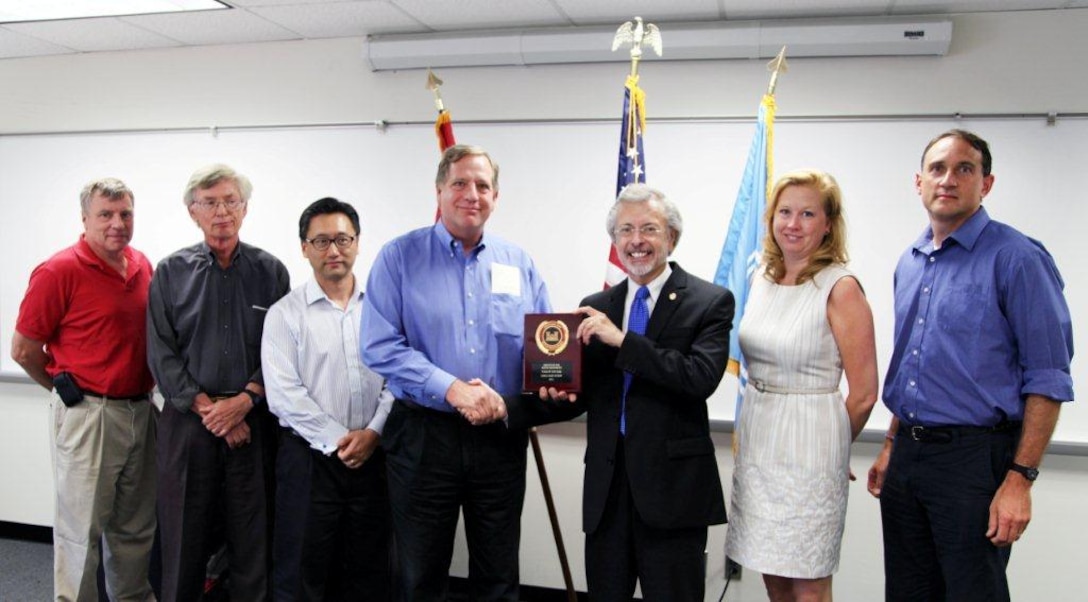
508	315
961	311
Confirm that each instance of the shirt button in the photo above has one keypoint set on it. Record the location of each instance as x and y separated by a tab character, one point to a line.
925	290
472	322
915	352
932	259
470	295
910	414
472	351
912	383
921	320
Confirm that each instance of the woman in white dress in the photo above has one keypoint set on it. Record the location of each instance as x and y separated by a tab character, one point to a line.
806	322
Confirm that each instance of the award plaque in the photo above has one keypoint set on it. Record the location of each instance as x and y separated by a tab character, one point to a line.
553	356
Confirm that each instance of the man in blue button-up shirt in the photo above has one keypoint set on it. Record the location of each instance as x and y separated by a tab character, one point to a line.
443	321
980	366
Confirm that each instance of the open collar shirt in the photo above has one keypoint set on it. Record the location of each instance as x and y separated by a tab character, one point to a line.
979	324
433	314
204	322
315	380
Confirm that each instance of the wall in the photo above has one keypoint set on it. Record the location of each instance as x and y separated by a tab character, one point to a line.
1005	63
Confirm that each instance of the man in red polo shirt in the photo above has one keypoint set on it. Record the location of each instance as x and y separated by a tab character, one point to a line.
81	334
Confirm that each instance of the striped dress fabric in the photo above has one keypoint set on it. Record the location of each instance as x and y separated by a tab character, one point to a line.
790	480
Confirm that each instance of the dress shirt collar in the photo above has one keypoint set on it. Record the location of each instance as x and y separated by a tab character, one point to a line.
655	286
454	245
965	236
207	252
314	293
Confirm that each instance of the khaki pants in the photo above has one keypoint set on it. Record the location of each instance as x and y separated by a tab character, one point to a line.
104	476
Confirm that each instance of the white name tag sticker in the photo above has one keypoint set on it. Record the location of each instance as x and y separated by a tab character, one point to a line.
505	280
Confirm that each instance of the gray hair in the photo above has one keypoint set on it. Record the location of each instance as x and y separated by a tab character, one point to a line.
209	176
111	188
641	193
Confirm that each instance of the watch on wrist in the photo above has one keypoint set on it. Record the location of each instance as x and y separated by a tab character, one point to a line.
252	396
1028	472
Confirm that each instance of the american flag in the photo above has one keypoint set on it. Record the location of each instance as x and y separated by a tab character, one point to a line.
632	164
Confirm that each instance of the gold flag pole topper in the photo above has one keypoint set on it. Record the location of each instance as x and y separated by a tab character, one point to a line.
637	35
433	84
776	66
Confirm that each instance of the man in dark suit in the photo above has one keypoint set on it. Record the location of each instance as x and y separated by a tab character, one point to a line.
651	480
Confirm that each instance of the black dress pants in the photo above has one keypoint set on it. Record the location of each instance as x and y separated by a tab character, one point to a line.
332	527
440	465
935	509
205	486
667	563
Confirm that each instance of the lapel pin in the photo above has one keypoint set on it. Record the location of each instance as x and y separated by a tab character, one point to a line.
672	296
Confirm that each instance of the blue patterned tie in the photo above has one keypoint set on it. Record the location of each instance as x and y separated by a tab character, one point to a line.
636	323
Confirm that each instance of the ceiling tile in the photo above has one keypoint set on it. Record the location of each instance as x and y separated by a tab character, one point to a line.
483	14
90	35
607	12
213	27
788	9
340	19
13	45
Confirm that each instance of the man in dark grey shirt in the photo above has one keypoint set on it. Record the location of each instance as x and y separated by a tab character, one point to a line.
206	314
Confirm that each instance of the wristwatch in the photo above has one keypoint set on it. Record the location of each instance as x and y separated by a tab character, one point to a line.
253	397
1028	472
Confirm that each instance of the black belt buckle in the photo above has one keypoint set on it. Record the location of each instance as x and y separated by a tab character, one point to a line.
931	434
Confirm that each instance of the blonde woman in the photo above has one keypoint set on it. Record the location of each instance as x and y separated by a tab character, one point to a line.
806	323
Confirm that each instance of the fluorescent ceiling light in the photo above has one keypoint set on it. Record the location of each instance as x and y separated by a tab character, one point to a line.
13	11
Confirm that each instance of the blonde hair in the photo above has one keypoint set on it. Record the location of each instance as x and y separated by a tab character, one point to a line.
833	248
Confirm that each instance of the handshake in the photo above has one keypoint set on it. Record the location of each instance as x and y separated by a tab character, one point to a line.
476	401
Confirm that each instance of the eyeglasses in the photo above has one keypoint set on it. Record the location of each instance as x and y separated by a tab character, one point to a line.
322	243
210	205
647	231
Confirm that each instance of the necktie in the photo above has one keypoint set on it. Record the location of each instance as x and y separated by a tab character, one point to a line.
636	323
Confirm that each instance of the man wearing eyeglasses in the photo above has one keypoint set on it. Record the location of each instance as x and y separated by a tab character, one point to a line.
205	317
332	507
656	347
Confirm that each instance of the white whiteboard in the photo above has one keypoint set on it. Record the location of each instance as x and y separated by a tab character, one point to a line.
557	182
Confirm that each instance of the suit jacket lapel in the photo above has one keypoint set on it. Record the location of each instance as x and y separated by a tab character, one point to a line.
672	294
615	310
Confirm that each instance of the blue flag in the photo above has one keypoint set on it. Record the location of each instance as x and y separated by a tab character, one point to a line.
743	246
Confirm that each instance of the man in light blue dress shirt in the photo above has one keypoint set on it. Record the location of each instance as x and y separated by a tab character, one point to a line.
332	509
979	371
443	321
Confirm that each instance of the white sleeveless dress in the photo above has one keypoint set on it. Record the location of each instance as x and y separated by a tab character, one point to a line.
790	481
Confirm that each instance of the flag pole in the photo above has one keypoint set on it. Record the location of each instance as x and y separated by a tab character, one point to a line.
743	247
443	126
776	66
631	163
